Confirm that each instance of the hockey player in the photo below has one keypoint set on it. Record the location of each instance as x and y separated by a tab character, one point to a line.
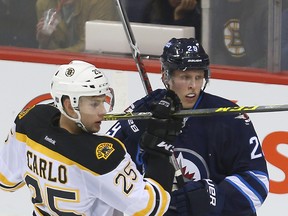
220	157
72	171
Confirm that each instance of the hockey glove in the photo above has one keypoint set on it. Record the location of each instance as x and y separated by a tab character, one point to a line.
157	140
198	198
162	129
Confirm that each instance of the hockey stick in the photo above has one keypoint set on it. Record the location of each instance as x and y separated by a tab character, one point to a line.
201	112
143	74
134	48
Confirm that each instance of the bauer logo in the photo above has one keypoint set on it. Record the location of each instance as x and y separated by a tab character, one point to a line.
104	150
194	60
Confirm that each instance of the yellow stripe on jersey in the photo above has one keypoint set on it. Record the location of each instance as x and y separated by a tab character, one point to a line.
163	197
49	153
9	186
151	201
162	206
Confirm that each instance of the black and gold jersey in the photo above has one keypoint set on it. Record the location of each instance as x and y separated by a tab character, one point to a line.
67	174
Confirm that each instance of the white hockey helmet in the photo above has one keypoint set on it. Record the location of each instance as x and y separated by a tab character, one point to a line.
76	79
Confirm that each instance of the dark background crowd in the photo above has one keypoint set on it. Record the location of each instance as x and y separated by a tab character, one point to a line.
239	34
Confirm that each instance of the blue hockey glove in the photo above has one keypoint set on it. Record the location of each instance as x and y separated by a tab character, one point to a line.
162	129
198	198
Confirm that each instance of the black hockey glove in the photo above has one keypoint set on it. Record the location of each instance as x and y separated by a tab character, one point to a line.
198	198
162	129
157	140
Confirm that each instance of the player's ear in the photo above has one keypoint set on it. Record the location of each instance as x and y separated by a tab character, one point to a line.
66	103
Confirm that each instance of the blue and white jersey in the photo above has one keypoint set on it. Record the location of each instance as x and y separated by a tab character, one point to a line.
223	148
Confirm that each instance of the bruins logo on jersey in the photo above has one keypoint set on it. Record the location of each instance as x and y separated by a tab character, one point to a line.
104	150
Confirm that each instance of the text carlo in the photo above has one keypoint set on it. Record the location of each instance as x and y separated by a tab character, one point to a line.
44	168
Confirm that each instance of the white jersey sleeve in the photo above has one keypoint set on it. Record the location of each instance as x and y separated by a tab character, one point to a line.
10	165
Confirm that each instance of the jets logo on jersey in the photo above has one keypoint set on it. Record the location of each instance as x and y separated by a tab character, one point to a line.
192	164
104	150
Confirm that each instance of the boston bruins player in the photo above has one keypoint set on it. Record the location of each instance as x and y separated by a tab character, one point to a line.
68	168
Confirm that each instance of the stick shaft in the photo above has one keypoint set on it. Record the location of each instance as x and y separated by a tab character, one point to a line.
134	48
143	74
201	112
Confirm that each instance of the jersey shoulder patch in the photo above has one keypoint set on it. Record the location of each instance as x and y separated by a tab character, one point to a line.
101	154
104	150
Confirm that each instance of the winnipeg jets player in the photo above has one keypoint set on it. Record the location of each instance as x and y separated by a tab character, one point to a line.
220	156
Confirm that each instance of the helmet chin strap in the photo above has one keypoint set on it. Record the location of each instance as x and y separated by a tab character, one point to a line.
166	84
205	85
76	120
201	95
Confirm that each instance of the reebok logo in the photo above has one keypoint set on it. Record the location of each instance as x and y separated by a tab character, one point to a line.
50	140
166	146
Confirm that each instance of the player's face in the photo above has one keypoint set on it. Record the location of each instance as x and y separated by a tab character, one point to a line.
92	110
187	85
